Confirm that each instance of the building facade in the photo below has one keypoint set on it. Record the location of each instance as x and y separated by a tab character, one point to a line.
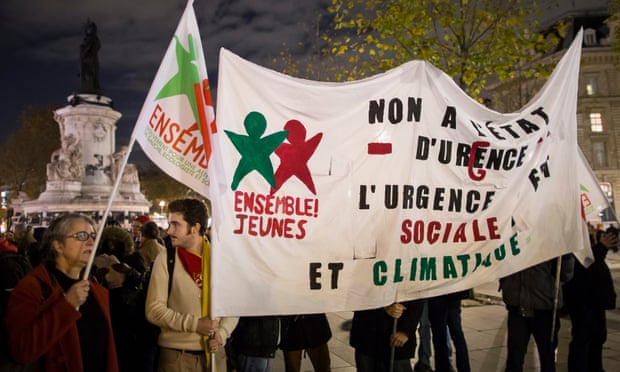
598	107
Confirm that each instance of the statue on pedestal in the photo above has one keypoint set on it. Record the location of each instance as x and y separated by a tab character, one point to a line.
116	160
66	161
89	61
130	176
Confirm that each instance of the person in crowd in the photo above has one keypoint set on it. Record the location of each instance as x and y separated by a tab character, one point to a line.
7	246
254	342
117	264
165	238
150	247
373	338
121	270
10	236
13	267
54	317
423	363
34	247
587	295
530	298
23	238
307	333
455	330
446	315
117	242
136	229
112	222
177	310
438	308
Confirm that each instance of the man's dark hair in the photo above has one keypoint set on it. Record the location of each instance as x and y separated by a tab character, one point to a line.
193	210
150	230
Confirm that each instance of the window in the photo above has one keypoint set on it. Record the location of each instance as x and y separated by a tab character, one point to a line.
589	37
606	187
596	122
591	87
600	155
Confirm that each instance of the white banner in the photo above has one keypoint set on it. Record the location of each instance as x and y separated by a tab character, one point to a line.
346	196
177	115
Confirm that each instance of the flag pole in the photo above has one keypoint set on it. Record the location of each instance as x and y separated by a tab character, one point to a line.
556	296
117	183
393	348
206	303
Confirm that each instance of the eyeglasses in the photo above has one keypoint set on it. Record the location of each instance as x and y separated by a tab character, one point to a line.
83	236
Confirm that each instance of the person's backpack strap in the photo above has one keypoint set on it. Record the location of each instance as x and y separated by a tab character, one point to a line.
171	252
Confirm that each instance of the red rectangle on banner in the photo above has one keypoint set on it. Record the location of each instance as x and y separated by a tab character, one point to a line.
376	148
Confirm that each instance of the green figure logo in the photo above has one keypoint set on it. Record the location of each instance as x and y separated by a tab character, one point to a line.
254	150
183	82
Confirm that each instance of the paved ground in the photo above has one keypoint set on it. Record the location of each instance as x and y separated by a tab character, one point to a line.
484	323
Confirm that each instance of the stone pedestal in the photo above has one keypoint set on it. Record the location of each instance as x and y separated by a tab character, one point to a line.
82	172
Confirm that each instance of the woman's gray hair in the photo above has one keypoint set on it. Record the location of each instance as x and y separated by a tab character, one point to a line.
57	231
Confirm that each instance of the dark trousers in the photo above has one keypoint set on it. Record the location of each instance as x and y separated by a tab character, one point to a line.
588	334
438	317
319	356
253	364
365	363
457	336
520	329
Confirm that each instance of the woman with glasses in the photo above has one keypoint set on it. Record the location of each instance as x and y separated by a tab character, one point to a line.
55	318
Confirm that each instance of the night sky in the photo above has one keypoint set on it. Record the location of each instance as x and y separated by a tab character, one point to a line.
39	59
40	43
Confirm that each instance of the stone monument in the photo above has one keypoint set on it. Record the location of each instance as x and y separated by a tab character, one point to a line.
82	172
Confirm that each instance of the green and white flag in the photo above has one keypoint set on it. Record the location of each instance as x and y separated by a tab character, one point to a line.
177	116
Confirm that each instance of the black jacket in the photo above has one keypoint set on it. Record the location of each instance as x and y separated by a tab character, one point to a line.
257	336
534	288
306	332
371	331
593	285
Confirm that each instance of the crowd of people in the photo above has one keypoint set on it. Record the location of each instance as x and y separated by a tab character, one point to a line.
141	309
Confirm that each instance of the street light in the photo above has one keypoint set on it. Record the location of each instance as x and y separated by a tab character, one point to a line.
162	204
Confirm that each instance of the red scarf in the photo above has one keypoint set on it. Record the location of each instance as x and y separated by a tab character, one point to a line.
192	264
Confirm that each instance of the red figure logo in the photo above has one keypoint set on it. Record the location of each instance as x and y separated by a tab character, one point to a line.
295	154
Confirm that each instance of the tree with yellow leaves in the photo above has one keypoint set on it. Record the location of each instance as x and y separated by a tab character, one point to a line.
471	40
